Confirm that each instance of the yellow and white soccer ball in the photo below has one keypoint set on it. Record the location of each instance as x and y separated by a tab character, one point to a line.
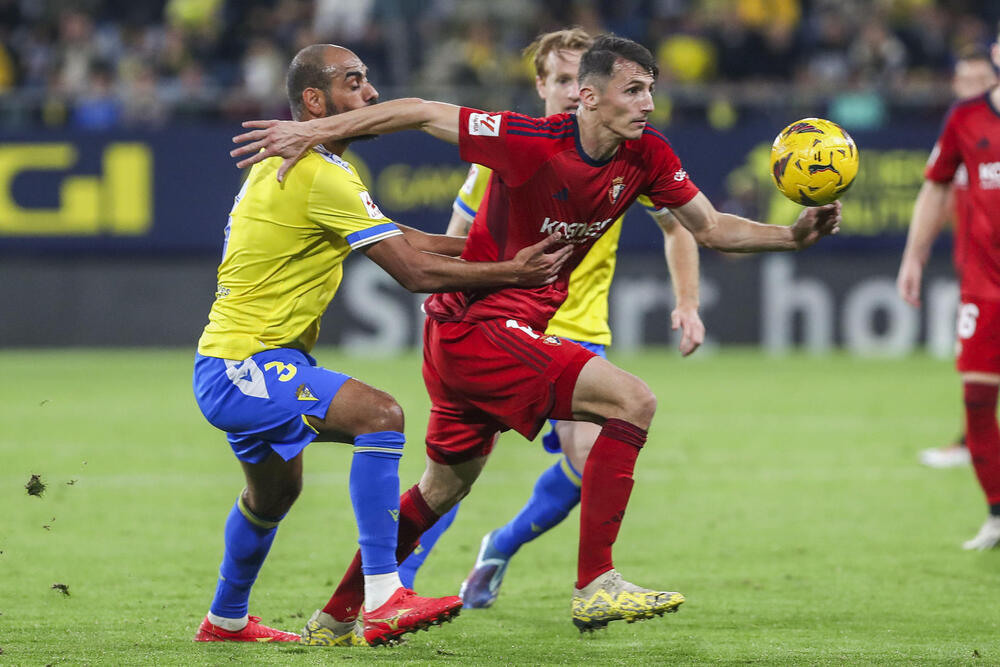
813	161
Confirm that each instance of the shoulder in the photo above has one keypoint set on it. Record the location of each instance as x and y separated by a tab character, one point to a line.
654	141
327	171
963	109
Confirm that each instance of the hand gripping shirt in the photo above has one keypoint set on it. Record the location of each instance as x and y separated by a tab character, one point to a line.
583	316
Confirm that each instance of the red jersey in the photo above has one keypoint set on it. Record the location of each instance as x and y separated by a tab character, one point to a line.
971	137
543	182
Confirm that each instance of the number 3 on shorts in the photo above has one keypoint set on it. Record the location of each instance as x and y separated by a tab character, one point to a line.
285	371
968	313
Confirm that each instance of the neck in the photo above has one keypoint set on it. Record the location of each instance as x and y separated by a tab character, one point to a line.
598	142
336	147
995	97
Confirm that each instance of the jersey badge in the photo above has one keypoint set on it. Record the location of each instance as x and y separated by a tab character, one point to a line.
680	175
304	393
370	206
551	340
484	124
617	185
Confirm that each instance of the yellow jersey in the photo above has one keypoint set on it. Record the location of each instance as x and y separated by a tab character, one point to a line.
284	253
583	316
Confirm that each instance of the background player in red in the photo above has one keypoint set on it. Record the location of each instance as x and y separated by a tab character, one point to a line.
487	366
974	75
970	137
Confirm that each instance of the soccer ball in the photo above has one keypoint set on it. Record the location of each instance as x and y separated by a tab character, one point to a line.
813	161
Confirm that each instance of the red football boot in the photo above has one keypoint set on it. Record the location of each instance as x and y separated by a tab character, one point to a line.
404	612
253	632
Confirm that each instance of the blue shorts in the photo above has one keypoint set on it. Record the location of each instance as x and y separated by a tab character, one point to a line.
550	441
262	402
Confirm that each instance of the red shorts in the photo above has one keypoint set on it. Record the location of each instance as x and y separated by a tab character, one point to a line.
491	376
978	336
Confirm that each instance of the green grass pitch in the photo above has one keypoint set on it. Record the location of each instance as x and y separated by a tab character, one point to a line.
782	496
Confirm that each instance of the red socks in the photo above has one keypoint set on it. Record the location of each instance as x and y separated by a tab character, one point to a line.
607	484
983	436
415	516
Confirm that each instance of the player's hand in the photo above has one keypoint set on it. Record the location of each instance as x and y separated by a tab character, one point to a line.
686	319
541	263
283	138
816	222
908	281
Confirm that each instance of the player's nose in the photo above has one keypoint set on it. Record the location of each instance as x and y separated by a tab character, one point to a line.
372	96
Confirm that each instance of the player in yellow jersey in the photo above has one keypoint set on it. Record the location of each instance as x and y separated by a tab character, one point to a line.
583	318
255	379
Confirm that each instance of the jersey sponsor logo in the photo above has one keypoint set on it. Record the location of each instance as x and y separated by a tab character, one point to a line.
484	124
617	185
575	232
370	206
680	175
989	175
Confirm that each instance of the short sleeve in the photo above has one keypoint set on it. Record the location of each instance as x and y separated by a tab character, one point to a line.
339	202
945	156
670	186
506	142
651	208
473	190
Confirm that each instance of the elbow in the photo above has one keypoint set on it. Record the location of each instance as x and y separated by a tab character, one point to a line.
706	239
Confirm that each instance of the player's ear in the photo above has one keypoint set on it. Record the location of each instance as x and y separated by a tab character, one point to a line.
314	102
589	95
540	86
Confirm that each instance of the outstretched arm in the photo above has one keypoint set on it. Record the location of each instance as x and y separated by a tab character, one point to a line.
681	252
291	139
724	231
441	244
929	215
420	271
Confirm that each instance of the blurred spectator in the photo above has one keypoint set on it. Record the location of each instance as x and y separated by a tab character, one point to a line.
719	57
97	108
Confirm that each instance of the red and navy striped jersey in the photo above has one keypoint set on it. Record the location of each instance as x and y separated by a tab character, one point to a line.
544	182
971	136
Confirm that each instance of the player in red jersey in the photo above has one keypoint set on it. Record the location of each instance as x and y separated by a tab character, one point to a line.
487	365
970	137
974	75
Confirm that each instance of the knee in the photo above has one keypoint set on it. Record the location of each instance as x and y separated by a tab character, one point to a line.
275	501
638	403
384	414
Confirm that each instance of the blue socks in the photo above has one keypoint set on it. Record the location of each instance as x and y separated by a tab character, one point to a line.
557	491
374	486
248	538
408	568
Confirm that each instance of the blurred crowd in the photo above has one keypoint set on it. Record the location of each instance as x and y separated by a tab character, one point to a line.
98	64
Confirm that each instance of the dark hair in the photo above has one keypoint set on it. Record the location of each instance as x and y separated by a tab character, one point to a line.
308	70
599	60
